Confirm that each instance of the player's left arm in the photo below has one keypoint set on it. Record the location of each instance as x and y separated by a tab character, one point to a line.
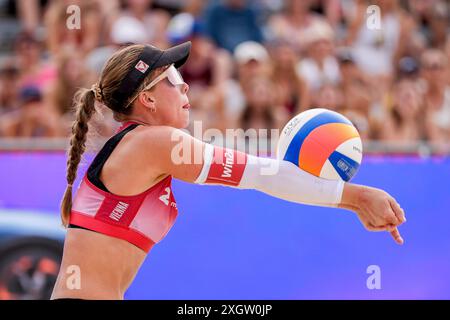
376	209
192	160
186	158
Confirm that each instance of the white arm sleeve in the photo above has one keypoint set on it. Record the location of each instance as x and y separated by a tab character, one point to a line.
278	178
283	179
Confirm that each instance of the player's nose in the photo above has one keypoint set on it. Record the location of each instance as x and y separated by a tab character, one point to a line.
184	88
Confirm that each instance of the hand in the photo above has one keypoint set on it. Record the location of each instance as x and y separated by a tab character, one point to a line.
376	209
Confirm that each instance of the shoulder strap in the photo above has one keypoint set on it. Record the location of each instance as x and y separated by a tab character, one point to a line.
94	170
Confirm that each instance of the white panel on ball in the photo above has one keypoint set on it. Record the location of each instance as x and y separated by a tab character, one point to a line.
292	127
351	148
328	172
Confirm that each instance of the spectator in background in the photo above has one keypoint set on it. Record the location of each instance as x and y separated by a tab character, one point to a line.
60	38
28	56
231	23
360	122
432	17
154	20
31	119
210	110
124	31
357	97
207	65
30	13
33	69
252	62
195	8
71	75
206	71
291	90
9	76
434	66
261	110
387	118
348	68
408	67
109	11
331	9
294	24
376	51
447	50
404	121
355	85
330	97
320	66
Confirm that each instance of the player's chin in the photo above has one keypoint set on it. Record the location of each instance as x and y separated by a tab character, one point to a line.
183	121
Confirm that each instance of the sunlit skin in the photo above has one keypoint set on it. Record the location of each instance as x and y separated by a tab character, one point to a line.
108	265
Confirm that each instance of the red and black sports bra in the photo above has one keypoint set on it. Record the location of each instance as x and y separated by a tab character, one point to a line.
142	219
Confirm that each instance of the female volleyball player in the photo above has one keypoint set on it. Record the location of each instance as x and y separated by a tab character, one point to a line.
124	204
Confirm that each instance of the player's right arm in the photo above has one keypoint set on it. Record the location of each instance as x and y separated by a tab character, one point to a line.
172	151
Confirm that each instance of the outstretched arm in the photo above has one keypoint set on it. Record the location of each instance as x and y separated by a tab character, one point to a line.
192	160
278	178
376	209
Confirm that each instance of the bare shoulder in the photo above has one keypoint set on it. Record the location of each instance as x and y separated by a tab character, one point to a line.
169	150
156	143
145	152
157	137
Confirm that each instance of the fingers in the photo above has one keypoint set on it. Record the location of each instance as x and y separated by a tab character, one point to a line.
392	229
398	211
397	237
392	214
371	227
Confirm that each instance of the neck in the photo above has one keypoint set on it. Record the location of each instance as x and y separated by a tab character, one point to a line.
132	121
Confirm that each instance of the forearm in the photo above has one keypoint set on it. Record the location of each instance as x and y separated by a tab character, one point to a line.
284	180
375	208
350	194
278	178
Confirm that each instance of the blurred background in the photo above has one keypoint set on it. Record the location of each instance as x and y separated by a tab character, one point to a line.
253	64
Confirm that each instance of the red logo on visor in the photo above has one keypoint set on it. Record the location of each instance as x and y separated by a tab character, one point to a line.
141	66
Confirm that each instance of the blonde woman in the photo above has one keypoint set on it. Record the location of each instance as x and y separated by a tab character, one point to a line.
125	204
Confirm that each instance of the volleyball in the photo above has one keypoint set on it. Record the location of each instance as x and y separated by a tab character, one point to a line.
323	143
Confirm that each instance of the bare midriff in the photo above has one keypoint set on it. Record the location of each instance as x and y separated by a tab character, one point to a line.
96	266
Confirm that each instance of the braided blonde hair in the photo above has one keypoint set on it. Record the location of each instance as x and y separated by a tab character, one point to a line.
114	71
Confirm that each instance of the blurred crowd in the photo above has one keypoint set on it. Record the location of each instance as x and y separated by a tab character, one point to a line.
253	64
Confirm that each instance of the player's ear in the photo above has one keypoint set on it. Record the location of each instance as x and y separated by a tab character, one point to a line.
147	99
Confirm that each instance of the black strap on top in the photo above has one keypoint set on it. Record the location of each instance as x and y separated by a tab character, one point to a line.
94	170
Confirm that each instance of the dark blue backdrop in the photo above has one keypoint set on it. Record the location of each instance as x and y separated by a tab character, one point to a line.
234	244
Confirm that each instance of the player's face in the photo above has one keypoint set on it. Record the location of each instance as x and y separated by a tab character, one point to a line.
172	103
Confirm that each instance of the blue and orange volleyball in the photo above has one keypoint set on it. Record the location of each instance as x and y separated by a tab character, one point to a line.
323	143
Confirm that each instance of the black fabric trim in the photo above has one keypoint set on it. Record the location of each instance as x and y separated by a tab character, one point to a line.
74	226
94	170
